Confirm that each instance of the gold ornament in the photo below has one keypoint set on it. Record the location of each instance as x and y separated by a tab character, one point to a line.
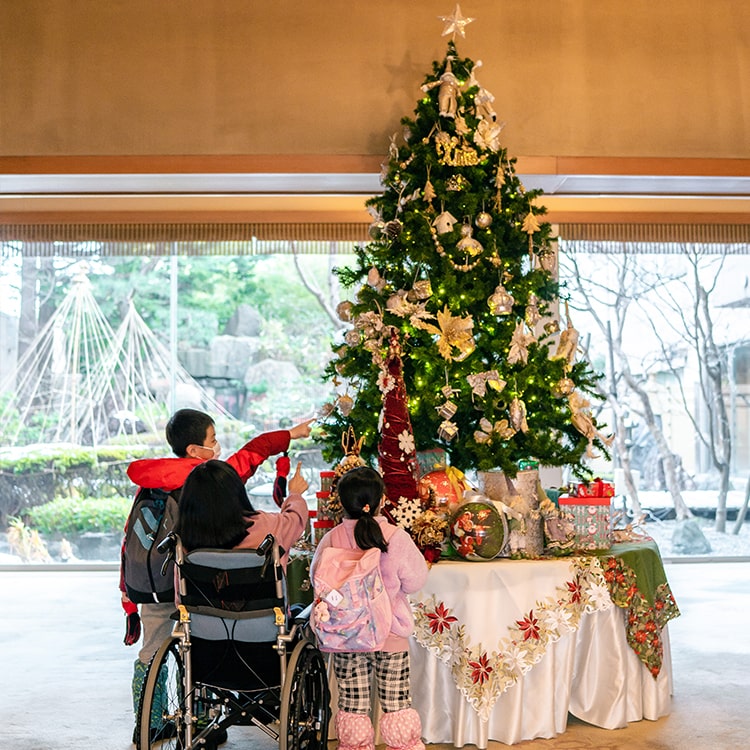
446	390
326	410
499	182
430	528
461	127
563	387
583	421
483	220
532	315
455	152
501	301
422	289
488	431
456	183
548	261
447	410
468	244
375	280
345	404
376	230
481	380
517	411
494	258
447	430
487	135
531	225
429	193
519	343
344	311
444	222
393	229
568	343
453	332
552	327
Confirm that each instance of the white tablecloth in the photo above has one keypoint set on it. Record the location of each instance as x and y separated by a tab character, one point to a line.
504	650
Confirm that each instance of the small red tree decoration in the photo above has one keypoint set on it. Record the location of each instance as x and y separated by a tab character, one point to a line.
396	451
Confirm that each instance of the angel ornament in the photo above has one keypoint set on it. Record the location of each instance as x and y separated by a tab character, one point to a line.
583	421
568	343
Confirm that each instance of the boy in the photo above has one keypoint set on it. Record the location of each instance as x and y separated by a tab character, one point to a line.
192	436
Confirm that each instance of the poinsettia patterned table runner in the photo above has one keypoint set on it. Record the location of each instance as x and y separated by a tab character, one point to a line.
492	622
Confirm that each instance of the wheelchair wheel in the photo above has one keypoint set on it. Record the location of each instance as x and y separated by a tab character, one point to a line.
305	701
162	704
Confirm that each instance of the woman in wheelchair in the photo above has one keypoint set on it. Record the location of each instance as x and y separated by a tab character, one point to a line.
215	511
236	656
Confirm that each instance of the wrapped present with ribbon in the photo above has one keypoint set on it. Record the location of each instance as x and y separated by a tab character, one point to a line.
592	519
596	488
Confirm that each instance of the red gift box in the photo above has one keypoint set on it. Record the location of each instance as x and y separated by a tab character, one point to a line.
596	488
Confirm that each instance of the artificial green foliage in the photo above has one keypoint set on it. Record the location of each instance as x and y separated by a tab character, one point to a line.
405	250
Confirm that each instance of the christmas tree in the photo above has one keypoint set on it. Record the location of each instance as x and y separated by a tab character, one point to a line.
460	274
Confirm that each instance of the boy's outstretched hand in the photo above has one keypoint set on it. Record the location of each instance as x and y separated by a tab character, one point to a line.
301	430
297	484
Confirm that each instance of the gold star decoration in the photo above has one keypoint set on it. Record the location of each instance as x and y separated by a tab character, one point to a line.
455	24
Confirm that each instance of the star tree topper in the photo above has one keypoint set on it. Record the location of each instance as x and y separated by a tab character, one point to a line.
455	24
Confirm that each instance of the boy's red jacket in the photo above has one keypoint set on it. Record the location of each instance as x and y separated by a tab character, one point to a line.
170	473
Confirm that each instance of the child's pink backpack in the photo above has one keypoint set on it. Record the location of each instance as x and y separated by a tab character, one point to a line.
351	611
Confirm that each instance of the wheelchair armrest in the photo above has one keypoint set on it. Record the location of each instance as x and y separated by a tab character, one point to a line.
302	617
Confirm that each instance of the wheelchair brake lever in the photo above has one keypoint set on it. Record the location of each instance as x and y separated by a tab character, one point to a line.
265	545
265	548
167	546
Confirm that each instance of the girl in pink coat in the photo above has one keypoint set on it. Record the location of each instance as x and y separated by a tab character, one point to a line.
404	571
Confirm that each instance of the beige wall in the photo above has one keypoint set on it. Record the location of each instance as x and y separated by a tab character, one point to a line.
582	78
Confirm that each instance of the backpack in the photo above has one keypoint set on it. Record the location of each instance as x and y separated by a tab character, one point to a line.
146	577
352	610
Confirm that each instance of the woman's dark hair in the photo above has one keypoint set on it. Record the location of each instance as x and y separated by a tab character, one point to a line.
214	507
360	491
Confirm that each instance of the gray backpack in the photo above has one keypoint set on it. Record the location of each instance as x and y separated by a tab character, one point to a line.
148	574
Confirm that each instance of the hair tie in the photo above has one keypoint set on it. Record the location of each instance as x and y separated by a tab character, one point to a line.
365	509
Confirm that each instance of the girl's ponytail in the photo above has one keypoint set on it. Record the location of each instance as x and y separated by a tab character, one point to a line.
360	491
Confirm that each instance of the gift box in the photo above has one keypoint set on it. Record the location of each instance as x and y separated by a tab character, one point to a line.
595	488
592	520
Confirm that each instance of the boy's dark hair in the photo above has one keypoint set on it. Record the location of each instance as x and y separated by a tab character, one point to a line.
215	510
187	427
360	491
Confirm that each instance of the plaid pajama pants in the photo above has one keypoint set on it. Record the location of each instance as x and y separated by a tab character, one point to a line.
354	670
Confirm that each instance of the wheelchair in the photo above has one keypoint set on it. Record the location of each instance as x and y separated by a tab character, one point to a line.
236	656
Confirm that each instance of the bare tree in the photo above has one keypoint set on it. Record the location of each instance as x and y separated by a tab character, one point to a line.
329	297
594	294
693	322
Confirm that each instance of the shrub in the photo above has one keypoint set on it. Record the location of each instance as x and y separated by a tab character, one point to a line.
76	515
